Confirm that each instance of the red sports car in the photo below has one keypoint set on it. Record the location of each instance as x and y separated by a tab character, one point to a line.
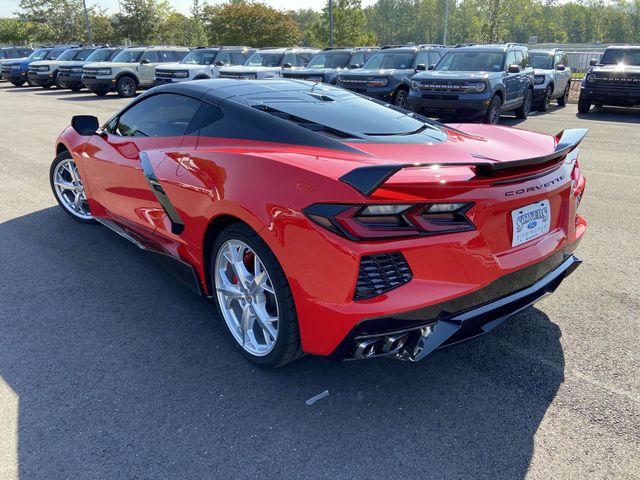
323	222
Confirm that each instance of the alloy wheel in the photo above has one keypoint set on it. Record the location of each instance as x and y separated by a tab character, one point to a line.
246	297
70	190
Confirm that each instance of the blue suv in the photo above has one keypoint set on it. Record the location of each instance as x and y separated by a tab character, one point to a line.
16	72
387	74
478	81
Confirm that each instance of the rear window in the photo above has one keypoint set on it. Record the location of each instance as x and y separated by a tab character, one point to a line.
621	56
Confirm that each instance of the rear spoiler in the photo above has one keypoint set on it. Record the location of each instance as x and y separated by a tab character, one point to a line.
368	179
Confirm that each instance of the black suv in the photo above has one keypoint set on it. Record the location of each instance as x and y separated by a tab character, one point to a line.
476	81
614	81
387	74
326	65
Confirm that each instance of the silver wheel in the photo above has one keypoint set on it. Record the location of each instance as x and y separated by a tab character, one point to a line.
70	190
246	297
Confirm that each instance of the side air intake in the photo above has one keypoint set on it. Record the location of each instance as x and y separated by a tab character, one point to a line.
381	273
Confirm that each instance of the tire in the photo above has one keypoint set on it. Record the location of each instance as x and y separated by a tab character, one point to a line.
100	93
522	112
400	98
46	86
56	82
75	89
583	106
30	83
546	100
61	174
126	87
18	83
562	101
492	117
286	347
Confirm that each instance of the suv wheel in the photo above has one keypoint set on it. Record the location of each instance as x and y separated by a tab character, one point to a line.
493	111
546	100
31	84
525	108
18	83
562	101
56	82
126	87
584	106
400	99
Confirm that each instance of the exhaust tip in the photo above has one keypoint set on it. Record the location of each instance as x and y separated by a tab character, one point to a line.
366	348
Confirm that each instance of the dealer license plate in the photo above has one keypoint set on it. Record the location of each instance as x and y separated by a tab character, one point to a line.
531	221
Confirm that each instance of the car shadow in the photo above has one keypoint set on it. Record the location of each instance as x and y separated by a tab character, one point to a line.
612	114
120	372
86	96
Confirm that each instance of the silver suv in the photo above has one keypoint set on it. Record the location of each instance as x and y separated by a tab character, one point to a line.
131	69
552	77
202	63
269	63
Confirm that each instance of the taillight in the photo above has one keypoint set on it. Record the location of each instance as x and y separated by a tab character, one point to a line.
359	222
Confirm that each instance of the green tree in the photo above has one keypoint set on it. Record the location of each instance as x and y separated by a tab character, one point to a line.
197	34
140	20
14	31
58	21
306	18
349	25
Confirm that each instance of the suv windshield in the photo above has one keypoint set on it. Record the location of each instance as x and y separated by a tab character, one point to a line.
397	60
260	59
128	56
200	57
330	60
471	62
38	54
75	54
543	61
621	56
54	54
100	55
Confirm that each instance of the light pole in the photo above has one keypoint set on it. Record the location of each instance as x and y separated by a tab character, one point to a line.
86	17
331	23
446	22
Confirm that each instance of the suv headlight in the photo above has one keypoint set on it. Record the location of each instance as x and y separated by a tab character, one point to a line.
538	79
476	87
591	78
181	74
75	69
314	78
415	85
101	71
378	82
248	75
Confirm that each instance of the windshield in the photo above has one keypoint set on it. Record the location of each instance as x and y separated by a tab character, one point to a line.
100	55
128	56
200	57
330	60
260	59
471	62
54	54
39	54
388	60
621	56
543	61
68	54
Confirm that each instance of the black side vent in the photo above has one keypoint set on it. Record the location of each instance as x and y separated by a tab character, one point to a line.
315	127
381	273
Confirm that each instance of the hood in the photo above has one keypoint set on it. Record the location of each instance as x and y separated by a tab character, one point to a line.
72	63
316	71
38	63
180	66
11	61
361	72
110	64
542	71
616	69
243	69
440	75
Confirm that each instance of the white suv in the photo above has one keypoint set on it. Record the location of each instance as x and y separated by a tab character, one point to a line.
269	62
131	69
201	64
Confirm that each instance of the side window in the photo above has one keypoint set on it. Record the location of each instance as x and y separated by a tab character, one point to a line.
179	55
511	59
205	122
162	115
290	58
519	58
526	60
151	56
224	57
165	56
434	58
559	59
422	59
238	58
357	59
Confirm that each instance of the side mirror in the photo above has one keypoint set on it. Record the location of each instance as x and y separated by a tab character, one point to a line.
560	67
145	61
421	67
593	62
286	65
513	69
219	64
432	66
354	66
85	125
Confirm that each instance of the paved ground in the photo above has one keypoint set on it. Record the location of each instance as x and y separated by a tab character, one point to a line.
110	370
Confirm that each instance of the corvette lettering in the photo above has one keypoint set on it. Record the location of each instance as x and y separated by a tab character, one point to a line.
535	188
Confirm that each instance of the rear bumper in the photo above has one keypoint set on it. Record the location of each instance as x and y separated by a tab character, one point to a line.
414	334
614	96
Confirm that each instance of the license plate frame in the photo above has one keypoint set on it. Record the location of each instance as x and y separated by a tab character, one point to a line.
530	222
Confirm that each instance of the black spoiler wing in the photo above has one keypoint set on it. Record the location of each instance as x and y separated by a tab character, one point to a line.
368	179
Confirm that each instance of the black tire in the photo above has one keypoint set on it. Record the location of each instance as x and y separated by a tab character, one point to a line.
56	82
30	83
583	106
18	83
562	101
400	98
492	117
523	110
100	93
46	86
75	89
287	346
126	86
63	156
546	100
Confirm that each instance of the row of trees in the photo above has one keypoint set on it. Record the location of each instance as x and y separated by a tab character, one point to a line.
244	22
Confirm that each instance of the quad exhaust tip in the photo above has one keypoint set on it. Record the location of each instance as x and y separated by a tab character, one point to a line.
379	346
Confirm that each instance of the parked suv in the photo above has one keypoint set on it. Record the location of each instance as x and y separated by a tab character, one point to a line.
615	80
476	81
16	71
325	66
201	63
70	72
131	69
552	77
270	62
387	74
12	54
44	73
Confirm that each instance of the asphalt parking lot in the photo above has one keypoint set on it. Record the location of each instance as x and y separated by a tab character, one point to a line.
109	369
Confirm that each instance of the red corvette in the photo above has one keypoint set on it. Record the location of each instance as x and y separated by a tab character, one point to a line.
322	222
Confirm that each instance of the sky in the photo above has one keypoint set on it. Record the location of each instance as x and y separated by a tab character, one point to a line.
8	7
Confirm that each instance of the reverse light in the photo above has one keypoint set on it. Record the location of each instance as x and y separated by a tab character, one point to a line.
360	222
539	79
378	82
